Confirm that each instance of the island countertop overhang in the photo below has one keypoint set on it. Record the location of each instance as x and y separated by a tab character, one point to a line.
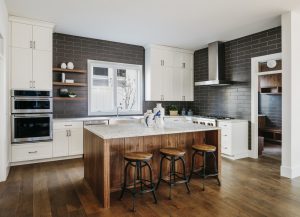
138	129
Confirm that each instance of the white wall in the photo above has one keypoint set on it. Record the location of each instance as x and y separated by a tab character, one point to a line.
290	165
4	81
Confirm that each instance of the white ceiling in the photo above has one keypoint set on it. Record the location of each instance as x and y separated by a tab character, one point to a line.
180	23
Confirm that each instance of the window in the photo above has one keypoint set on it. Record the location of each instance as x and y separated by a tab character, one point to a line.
114	86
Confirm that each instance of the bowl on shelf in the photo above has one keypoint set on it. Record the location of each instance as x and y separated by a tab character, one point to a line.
72	95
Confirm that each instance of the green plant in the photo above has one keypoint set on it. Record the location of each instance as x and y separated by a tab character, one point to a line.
173	108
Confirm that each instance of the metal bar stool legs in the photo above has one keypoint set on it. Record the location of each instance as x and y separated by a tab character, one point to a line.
173	174
204	150
144	185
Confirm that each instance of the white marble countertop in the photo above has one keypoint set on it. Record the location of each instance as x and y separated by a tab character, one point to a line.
139	129
95	118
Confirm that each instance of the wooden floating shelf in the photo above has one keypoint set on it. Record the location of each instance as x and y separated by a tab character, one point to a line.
270	72
68	98
69	84
82	71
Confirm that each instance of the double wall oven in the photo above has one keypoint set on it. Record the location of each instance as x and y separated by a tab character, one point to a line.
31	115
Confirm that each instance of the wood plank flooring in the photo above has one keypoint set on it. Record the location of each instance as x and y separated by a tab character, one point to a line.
249	188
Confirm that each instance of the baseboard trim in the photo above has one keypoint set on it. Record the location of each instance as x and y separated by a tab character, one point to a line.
45	160
4	174
290	172
236	157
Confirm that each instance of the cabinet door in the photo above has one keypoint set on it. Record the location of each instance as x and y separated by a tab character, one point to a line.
167	85
21	68
162	57
60	143
42	37
42	70
155	87
183	60
188	61
176	86
168	57
156	57
21	35
187	83
76	142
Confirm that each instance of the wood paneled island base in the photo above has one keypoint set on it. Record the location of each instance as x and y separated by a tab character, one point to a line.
104	158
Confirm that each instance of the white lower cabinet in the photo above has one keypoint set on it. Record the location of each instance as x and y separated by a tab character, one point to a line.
67	139
234	138
76	142
60	143
31	151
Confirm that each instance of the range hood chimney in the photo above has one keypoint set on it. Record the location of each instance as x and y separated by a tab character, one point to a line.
216	62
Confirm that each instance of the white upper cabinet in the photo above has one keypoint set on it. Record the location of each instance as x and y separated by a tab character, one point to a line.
21	68
169	74
42	38
42	70
21	35
31	54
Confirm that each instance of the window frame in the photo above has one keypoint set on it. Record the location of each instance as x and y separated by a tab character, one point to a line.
115	65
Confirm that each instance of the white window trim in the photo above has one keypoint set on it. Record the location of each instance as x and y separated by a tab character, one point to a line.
92	63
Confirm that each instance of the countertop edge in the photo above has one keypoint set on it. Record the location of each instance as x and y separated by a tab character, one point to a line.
150	134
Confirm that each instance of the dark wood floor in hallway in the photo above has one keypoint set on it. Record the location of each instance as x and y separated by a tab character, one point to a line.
249	188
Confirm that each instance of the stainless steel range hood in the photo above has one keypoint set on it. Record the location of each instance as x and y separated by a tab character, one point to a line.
216	73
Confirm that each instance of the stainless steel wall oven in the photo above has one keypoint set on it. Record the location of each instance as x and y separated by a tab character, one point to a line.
31	116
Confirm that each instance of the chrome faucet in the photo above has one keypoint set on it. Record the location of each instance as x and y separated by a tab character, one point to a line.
118	107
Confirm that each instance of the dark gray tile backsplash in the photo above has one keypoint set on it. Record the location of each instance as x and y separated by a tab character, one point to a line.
233	100
271	106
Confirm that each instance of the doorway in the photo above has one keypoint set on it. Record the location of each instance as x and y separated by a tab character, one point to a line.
270	109
266	105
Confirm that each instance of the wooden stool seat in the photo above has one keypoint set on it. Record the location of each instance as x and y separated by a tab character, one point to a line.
172	152
138	156
204	147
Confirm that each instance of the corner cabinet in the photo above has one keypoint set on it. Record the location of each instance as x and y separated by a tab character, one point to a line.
31	54
169	74
234	138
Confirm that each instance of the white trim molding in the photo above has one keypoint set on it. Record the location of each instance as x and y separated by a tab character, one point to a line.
253	153
31	21
290	172
290	164
45	160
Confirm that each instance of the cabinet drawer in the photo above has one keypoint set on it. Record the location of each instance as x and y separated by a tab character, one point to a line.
225	126
226	149
31	151
67	125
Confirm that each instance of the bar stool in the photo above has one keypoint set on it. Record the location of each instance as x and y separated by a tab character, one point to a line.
204	150
138	160
173	155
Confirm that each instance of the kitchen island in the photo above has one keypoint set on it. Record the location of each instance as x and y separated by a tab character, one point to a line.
105	146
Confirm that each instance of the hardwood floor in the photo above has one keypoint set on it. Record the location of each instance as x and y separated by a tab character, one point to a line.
249	188
272	150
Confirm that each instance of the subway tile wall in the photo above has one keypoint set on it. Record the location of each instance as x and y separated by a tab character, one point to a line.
271	105
234	100
78	50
